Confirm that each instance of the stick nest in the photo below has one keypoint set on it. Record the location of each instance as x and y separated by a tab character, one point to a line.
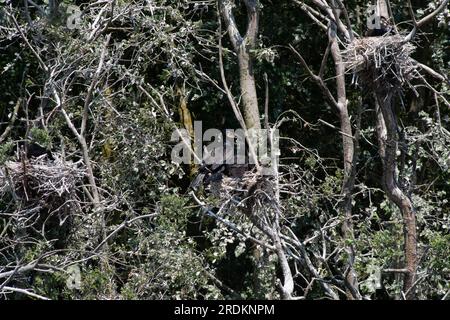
381	62
42	182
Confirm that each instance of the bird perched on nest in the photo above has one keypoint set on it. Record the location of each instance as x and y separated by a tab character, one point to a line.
34	150
212	173
385	28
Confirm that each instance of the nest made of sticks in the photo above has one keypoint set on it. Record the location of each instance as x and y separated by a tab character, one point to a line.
381	62
42	182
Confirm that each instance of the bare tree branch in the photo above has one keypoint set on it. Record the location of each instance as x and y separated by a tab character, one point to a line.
424	20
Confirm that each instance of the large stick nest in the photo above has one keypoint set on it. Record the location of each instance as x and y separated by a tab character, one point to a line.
42	182
381	62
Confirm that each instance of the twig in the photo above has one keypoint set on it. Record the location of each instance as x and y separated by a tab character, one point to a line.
229	224
121	226
41	62
94	81
11	123
26	292
316	78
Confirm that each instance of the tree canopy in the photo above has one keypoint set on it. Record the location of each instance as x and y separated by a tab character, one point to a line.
350	199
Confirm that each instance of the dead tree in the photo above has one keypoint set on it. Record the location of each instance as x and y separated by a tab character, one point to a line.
388	139
349	140
384	65
371	59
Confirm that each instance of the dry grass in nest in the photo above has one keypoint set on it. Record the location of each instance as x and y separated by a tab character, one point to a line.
381	62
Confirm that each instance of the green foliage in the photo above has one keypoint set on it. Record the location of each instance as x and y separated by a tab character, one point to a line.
5	151
41	137
169	268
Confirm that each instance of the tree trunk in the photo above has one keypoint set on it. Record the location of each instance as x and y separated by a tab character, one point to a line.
242	47
248	89
387	135
348	148
346	206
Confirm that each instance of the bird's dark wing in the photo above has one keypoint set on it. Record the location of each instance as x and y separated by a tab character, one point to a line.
236	170
197	182
215	175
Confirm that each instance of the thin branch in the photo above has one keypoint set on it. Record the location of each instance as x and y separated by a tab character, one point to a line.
391	14
94	81
336	128
11	122
396	270
424	20
324	60
316	78
430	17
326	8
26	292
229	224
23	269
313	14
123	225
38	57
266	103
431	72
